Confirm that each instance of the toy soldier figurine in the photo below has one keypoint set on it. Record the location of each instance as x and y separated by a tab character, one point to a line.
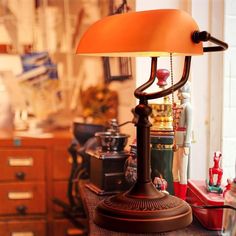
182	141
215	171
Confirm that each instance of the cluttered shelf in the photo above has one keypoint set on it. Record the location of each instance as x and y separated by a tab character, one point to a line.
90	201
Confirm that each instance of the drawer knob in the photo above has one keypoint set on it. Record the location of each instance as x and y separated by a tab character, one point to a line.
20	175
21	209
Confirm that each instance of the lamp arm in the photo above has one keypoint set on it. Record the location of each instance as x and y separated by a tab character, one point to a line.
204	36
139	91
148	96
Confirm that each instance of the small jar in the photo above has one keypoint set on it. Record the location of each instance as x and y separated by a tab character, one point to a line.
229	215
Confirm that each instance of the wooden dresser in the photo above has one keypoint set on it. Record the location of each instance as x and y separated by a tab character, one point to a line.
34	170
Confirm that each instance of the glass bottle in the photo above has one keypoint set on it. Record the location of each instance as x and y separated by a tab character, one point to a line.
229	215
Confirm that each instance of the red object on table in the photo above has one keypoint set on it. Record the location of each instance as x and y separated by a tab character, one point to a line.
216	170
197	195
162	75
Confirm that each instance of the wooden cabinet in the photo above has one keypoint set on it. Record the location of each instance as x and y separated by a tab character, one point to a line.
60	192
61	161
33	171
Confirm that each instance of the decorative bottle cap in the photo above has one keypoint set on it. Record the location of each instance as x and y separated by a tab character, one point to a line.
162	75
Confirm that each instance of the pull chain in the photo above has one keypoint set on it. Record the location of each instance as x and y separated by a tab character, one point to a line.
172	94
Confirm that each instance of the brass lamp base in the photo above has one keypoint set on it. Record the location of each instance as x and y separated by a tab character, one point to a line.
150	213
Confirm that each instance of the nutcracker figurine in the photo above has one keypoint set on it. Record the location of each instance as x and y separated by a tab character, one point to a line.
182	141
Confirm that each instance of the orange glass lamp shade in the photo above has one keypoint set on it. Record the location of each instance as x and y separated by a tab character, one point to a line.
147	33
155	33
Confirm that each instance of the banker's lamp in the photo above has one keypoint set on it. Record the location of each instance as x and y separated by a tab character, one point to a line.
152	33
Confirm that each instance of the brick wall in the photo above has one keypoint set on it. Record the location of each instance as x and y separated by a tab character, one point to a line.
229	114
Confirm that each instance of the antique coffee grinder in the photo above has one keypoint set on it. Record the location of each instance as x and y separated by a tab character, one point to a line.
107	161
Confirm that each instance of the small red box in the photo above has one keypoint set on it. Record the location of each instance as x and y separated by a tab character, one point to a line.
197	195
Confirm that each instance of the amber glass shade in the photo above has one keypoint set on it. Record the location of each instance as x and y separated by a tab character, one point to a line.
145	33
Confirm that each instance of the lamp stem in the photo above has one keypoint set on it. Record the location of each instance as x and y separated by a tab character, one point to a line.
144	184
143	142
143	131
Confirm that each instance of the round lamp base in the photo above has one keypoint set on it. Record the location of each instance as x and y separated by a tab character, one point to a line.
126	212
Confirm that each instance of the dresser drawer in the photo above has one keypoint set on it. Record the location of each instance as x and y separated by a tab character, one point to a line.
61	163
22	198
23	228
22	164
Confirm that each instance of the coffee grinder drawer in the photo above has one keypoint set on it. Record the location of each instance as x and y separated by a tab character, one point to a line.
107	175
